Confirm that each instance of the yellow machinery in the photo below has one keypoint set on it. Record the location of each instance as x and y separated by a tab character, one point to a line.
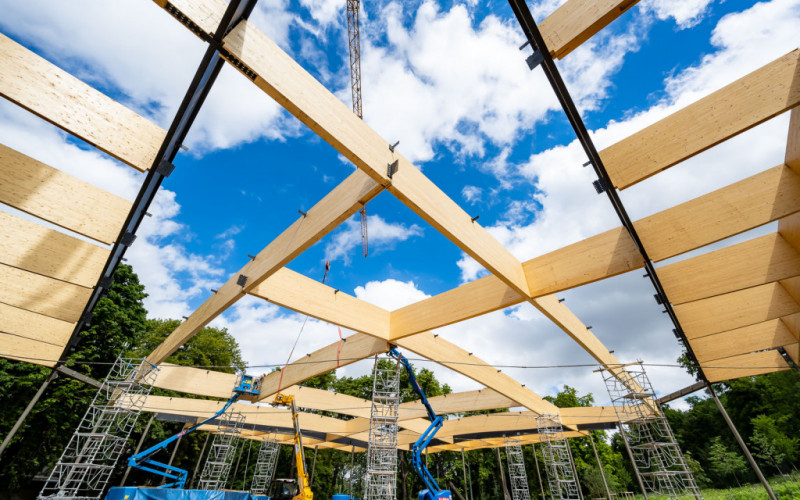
303	488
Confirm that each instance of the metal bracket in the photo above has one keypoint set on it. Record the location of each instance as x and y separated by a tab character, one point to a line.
127	239
391	168
657	296
106	282
86	319
599	186
165	168
534	59
241	280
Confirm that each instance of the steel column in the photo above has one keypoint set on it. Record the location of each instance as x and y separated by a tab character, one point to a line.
633	461
199	459
138	447
574	469
742	445
538	471
599	465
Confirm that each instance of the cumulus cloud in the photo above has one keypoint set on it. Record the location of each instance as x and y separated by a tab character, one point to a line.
390	294
381	236
685	13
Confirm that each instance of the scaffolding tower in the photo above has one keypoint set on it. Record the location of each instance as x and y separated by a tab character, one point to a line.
87	462
265	466
557	458
516	470
656	455
380	479
223	449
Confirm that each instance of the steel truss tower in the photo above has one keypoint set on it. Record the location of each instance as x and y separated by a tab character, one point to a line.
223	449
655	452
265	466
557	458
516	470
86	465
381	476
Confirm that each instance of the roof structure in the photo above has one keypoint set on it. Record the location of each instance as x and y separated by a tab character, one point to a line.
737	308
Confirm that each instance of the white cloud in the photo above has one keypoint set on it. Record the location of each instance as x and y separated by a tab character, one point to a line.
381	235
390	294
472	194
686	13
325	12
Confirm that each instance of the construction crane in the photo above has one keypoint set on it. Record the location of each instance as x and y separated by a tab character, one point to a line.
284	489
245	386
354	44
433	491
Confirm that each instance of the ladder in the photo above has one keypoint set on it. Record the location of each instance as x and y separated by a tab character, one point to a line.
265	466
557	458
381	476
516	470
223	449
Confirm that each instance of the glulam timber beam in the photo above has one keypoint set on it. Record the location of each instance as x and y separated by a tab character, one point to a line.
29	350
58	97
30	325
578	20
754	262
760	199
336	207
745	365
792	157
41	294
745	103
737	309
757	337
482	399
52	195
31	247
497	442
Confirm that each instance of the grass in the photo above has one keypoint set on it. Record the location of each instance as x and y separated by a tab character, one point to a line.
785	488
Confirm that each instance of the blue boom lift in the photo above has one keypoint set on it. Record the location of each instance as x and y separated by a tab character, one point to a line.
433	492
245	385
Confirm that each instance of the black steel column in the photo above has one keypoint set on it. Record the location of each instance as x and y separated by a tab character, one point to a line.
742	445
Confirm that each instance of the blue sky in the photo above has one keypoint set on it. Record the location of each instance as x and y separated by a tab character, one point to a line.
447	80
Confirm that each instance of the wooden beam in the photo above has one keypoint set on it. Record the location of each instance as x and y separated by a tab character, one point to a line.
31	247
745	365
758	261
33	326
345	200
758	337
792	158
735	310
487	443
43	295
58	97
451	356
578	20
196	381
206	14
29	350
299	293
588	415
789	228
298	92
57	197
482	399
752	202
743	104
354	348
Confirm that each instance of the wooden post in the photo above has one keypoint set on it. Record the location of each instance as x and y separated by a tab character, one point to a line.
502	473
599	465
138	447
574	469
199	460
742	445
633	461
538	472
53	375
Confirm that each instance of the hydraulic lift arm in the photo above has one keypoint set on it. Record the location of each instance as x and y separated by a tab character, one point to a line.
433	491
303	488
245	385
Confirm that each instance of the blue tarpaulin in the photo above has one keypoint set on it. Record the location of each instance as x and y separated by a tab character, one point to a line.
132	493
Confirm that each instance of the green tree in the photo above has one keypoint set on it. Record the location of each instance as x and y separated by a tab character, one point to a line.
119	319
724	462
770	444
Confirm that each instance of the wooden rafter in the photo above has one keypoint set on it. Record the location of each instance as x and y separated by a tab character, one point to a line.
753	99
41	294
751	338
578	20
53	94
745	365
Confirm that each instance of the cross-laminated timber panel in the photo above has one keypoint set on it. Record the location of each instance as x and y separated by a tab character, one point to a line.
342	202
43	295
35	248
736	309
754	262
53	94
743	104
45	192
29	350
498	442
765	197
33	326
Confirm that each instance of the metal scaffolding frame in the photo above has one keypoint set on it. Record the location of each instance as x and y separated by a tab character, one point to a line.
656	455
380	480
265	466
87	462
558	466
516	470
223	449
